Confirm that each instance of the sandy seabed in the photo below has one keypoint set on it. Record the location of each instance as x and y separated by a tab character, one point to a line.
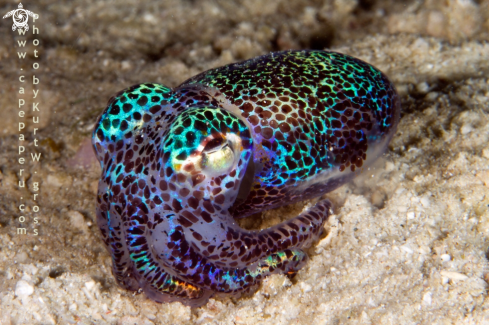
408	243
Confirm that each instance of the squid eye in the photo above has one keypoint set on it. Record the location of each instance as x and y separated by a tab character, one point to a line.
214	145
217	157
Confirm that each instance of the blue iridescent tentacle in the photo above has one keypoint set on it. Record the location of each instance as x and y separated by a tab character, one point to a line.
166	249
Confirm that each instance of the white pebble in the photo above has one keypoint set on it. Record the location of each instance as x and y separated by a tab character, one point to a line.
407	249
427	298
423	87
89	285
54	181
306	287
425	201
445	257
23	288
467	128
77	220
485	153
454	275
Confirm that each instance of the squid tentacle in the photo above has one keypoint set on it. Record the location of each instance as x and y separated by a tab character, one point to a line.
283	253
